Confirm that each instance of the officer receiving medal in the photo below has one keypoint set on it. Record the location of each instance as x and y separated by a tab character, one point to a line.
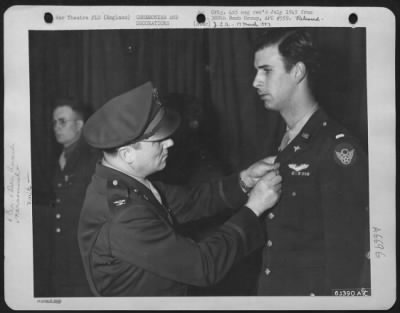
317	233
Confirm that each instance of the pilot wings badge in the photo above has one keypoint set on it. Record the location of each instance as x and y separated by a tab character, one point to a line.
299	167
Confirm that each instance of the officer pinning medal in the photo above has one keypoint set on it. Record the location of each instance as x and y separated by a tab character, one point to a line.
128	239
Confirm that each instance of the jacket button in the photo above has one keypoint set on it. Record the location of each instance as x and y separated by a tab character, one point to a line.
324	123
294	194
58	215
58	200
59	185
269	243
58	230
271	215
115	182
267	271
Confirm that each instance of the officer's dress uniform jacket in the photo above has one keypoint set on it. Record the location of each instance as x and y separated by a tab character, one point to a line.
129	240
70	185
317	234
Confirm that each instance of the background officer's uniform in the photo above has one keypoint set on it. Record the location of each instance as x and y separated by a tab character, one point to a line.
69	185
317	234
128	239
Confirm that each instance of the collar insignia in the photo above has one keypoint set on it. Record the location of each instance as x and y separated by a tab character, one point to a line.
119	202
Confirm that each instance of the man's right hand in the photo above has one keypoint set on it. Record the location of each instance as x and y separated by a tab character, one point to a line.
265	193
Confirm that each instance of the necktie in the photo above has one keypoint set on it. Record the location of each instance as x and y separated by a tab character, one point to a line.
62	160
285	141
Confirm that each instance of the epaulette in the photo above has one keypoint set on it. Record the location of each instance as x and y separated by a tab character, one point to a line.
117	193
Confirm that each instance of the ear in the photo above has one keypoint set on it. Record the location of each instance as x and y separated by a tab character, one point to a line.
127	153
300	71
79	124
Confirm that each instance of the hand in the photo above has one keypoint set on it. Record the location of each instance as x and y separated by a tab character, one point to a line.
265	193
251	175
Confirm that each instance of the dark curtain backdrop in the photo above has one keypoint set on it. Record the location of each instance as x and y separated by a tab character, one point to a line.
214	66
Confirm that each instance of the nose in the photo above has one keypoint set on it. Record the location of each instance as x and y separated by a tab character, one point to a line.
256	81
168	143
56	126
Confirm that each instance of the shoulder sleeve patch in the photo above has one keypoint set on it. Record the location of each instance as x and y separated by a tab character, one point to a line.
117	194
345	154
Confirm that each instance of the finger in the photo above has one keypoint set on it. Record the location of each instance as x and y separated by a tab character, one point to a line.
276	179
267	165
270	159
262	168
269	176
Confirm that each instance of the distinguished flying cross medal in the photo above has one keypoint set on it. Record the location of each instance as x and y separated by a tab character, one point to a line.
345	154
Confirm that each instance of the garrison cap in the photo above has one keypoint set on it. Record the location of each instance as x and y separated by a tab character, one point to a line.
131	117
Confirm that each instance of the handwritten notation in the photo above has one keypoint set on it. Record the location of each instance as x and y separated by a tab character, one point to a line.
18	187
378	242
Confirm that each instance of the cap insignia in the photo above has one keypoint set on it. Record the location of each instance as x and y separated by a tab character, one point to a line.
156	98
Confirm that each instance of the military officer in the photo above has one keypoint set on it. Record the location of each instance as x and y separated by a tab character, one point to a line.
128	234
72	175
317	235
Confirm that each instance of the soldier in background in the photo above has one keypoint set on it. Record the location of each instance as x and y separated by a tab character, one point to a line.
75	167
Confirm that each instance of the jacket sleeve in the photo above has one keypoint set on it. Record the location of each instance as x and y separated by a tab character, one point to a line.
344	197
139	236
204	200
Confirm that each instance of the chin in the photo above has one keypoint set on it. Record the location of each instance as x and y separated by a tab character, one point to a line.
268	106
271	106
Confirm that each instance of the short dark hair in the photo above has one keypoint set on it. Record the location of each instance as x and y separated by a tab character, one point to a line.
83	112
295	45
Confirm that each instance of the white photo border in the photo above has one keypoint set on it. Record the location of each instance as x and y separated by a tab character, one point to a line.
380	32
